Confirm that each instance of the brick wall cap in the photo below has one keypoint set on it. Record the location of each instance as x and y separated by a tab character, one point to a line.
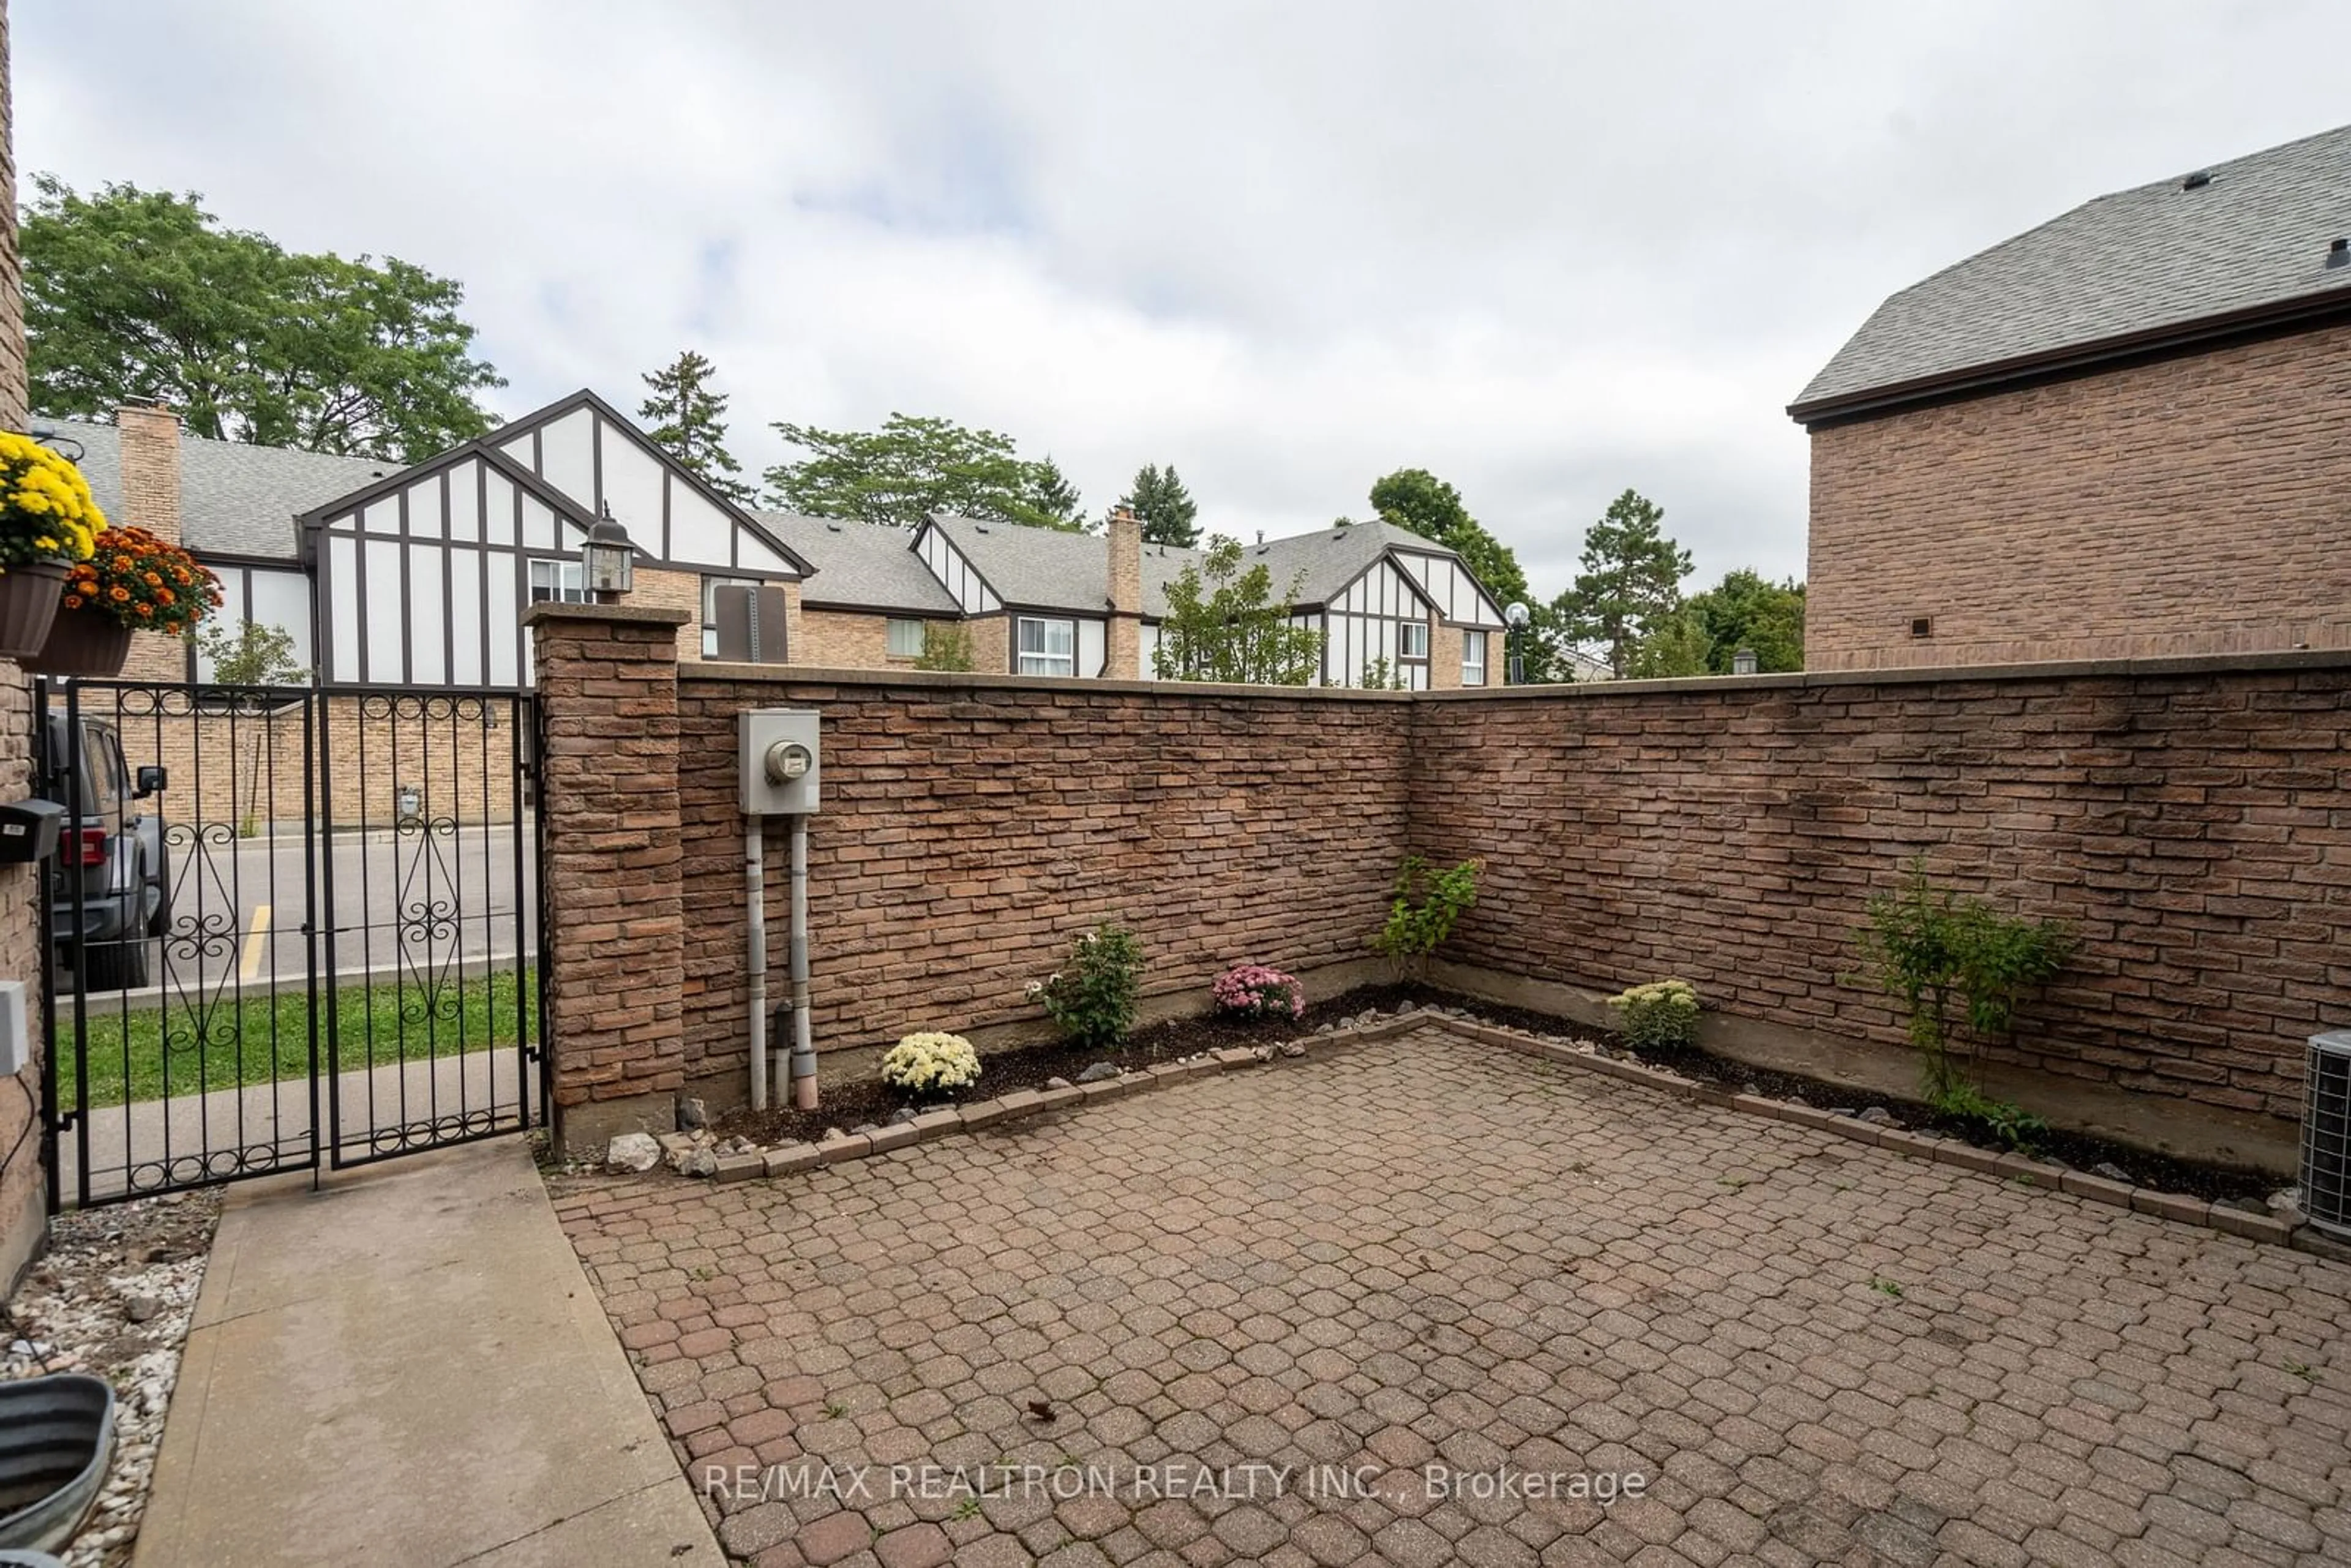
958	680
551	611
1921	675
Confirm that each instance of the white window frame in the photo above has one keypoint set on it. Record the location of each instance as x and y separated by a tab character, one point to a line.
710	587
1044	659
1473	671
552	578
1407	632
893	628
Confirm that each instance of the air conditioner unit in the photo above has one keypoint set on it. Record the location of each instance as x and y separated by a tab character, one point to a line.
2326	1136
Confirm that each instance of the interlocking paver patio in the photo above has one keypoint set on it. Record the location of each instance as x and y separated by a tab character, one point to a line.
1425	1251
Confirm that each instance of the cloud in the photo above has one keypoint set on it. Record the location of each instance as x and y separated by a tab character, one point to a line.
1549	252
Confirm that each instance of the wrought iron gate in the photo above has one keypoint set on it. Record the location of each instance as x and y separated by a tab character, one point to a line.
289	926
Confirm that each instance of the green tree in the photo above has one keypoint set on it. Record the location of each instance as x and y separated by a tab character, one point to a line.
1747	610
1051	492
252	655
142	293
1631	579
1417	500
906	471
1672	645
1164	506
690	419
1224	624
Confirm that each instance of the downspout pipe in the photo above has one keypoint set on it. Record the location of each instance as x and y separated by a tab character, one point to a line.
755	889
803	1064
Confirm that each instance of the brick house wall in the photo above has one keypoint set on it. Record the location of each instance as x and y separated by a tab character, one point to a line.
2194	505
850	640
226	771
22	1226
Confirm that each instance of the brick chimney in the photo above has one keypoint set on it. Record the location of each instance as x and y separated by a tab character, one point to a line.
150	435
1122	658
150	468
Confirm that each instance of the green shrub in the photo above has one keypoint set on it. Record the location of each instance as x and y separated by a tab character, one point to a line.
1092	996
2004	1123
1659	1016
1930	949
1422	913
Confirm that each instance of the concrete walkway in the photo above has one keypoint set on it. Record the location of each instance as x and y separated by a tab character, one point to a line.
406	1366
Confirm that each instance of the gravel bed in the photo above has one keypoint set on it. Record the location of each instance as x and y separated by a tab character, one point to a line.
113	1296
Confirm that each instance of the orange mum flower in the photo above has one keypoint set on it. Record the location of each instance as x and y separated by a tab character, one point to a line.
164	594
119	593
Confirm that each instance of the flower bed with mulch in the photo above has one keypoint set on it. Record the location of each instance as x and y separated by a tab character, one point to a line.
867	1103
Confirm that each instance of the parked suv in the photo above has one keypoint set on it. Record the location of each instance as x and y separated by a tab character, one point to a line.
113	849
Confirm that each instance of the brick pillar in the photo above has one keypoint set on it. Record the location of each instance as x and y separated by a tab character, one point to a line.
607	789
24	1222
150	438
1122	653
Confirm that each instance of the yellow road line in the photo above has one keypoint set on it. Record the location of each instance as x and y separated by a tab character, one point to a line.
255	940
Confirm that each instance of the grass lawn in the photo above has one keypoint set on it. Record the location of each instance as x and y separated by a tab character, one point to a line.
267	1037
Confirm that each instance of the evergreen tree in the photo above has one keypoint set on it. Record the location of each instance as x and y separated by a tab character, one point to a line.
1052	495
1164	506
1631	581
690	420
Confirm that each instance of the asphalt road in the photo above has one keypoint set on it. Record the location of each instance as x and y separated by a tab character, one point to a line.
415	902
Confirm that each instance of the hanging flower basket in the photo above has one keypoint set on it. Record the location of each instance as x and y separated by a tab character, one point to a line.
29	598
132	582
47	522
82	642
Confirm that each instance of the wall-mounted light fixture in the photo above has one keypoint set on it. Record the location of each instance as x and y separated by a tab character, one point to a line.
1743	661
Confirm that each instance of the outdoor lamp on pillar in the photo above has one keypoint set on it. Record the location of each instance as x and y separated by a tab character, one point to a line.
606	560
1743	663
1517	616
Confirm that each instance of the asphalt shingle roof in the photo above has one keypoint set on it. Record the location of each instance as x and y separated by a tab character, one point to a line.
235	499
867	565
2137	261
1054	571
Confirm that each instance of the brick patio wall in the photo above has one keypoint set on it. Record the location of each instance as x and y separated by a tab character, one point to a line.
972	827
2192	505
2191	820
2193	824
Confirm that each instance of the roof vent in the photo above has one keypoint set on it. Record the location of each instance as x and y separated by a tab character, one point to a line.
979	528
2197	181
832	528
2339	253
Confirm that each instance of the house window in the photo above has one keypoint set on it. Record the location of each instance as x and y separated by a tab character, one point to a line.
558	580
1047	647
1411	640
905	639
710	587
1473	658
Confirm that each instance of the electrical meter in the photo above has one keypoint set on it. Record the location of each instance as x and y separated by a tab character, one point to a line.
780	762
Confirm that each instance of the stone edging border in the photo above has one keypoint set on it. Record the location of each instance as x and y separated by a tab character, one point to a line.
1021	1102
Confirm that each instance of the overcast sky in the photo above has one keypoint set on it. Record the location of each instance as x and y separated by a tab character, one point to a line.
1546	251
